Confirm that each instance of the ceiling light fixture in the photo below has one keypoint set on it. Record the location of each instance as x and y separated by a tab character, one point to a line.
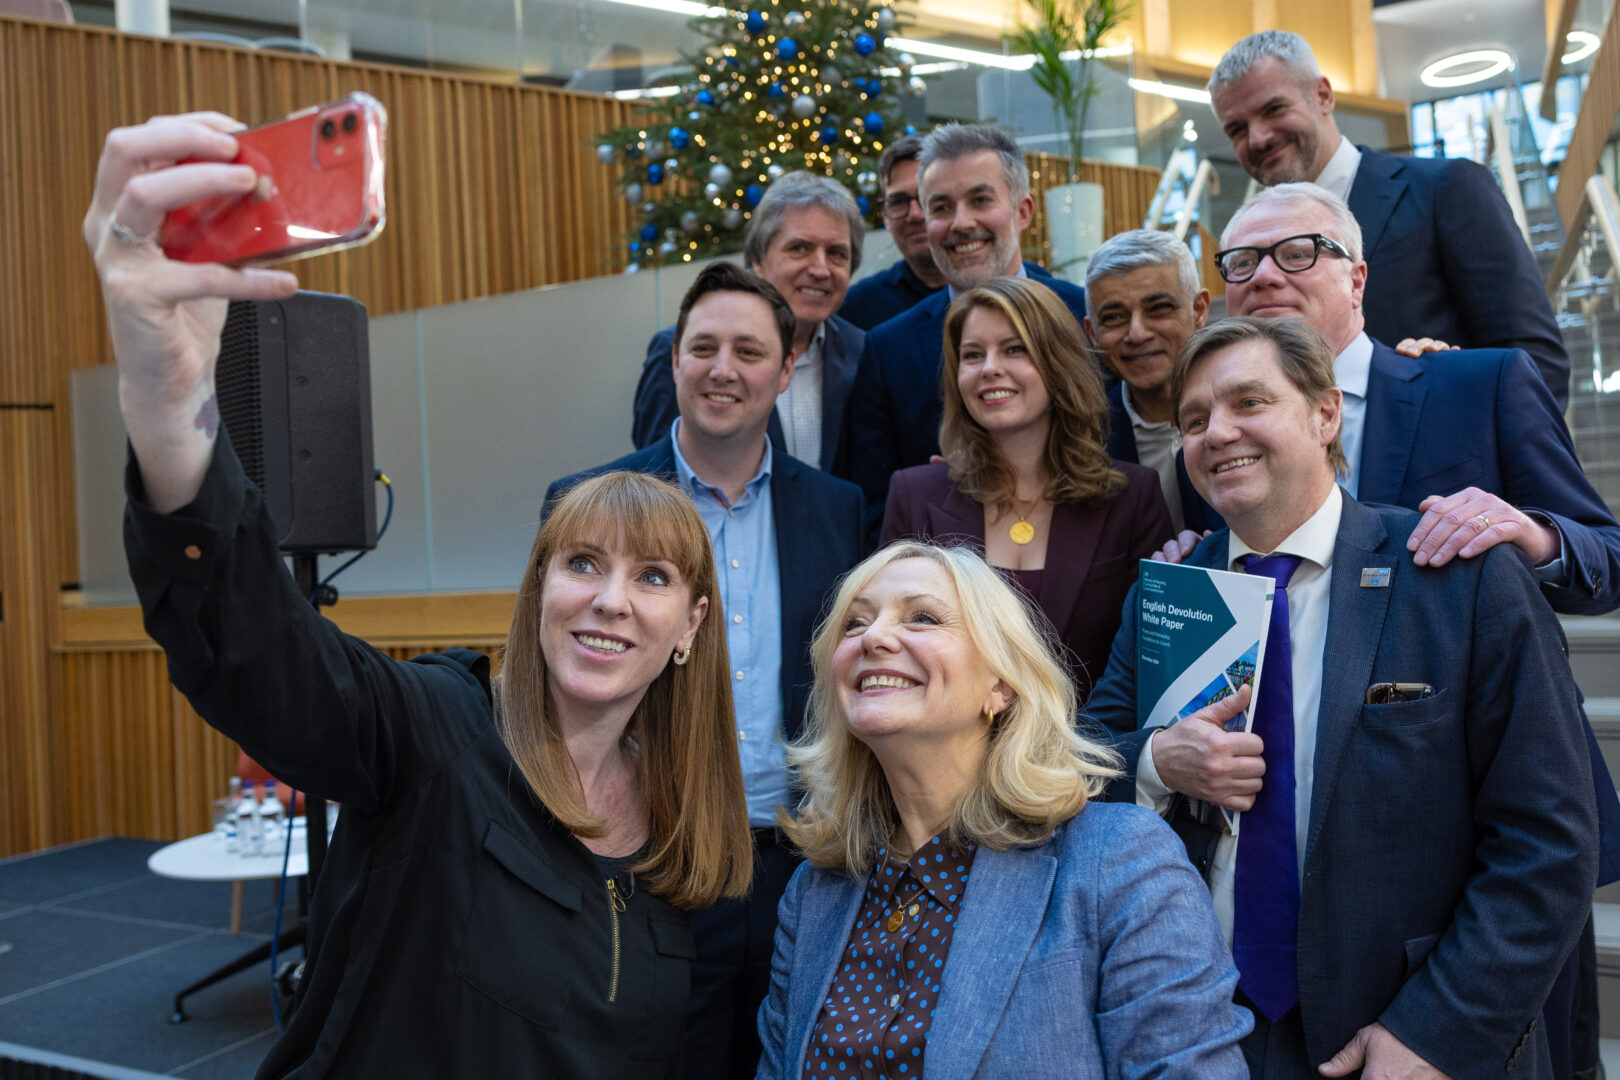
1583	43
1480	64
1170	90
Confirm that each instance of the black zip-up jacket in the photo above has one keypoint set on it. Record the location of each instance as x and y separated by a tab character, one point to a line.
457	929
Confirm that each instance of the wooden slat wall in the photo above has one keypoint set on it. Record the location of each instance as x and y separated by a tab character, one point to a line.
1600	106
492	188
1127	191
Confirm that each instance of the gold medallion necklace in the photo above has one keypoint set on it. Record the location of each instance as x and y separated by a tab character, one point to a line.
1022	532
898	915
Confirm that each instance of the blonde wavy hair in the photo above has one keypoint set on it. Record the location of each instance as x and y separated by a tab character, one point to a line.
1037	772
1077	464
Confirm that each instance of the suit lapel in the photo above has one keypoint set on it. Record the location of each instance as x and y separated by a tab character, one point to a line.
825	919
1006	899
956	516
1373	195
1389	428
1355	624
786	511
1070	549
839	359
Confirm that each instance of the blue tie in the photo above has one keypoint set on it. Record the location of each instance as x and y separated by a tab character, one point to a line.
1265	893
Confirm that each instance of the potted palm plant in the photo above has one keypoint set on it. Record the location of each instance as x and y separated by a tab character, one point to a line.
1063	36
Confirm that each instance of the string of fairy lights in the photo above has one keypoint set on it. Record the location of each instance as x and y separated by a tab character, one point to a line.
786	84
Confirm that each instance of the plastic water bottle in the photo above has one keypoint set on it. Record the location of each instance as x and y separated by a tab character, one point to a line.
227	827
271	820
250	838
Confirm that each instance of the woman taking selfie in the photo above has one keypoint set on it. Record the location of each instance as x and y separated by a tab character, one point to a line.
965	909
1025	478
505	892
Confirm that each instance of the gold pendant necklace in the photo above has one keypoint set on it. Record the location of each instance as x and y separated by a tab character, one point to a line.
898	915
1022	532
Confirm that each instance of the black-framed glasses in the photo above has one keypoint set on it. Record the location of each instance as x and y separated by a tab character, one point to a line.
898	203
1292	255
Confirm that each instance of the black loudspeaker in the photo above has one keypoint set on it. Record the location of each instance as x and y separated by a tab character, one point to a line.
294	384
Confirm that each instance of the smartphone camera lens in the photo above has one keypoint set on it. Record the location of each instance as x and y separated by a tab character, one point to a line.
349	122
328	129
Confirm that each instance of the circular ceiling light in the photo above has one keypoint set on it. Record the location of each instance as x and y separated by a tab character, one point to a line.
1583	43
1466	68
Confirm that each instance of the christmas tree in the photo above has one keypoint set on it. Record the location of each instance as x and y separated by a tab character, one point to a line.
801	84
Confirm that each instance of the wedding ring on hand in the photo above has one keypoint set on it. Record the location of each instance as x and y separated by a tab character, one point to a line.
126	235
1486	520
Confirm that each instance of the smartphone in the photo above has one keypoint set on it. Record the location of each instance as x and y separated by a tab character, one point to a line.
320	189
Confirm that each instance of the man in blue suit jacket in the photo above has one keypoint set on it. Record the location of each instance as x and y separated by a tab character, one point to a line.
975	191
1446	258
1428	769
804	238
913	278
783	533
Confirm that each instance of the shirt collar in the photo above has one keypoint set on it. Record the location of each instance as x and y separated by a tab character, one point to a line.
936	855
692	482
1353	367
1340	171
950	289
812	351
1136	417
1313	541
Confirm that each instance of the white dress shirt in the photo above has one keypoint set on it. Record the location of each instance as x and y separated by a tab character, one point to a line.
1340	171
1156	446
799	406
1308	594
1351	369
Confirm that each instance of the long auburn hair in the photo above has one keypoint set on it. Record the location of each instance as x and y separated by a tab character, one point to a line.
681	735
1077	463
1037	771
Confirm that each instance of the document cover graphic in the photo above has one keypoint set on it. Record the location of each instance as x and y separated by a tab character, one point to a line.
1201	635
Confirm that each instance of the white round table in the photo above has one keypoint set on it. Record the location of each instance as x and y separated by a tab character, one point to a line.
204	858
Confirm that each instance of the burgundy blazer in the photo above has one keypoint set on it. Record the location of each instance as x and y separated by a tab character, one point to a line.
1090	557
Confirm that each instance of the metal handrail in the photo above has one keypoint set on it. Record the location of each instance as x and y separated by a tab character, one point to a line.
1598	200
1501	149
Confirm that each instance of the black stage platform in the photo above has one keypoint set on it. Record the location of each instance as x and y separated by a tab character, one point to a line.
93	947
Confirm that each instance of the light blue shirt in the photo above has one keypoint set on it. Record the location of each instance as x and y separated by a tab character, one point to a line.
744	538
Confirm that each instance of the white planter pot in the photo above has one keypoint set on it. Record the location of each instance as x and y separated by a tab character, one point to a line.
1074	225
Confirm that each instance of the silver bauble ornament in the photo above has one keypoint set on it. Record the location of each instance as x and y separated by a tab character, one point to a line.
804	106
793	20
667	248
916	87
633	192
633	268
689	220
670	165
906	62
604	154
775	172
649	208
720	174
655	148
885	18
867	182
731	218
841	161
669	234
831	75
711	191
694	116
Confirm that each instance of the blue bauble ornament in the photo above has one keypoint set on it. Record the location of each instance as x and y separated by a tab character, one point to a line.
873	122
873	87
787	49
864	44
655	173
753	194
864	204
776	90
635	246
756	22
679	138
827	136
649	233
632	151
911	129
705	98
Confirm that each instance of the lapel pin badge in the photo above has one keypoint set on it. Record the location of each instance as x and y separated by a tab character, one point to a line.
1375	577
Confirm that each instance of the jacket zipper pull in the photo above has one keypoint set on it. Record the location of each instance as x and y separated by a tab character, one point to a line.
616	907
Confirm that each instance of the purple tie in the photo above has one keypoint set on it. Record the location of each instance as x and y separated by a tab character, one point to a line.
1265	894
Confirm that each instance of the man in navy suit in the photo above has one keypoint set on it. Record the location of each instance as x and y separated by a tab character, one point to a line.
975	192
805	239
1446	259
783	533
1145	301
913	277
1416	847
1471	438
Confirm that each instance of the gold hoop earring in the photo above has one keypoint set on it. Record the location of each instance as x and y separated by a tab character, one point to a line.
682	657
989	716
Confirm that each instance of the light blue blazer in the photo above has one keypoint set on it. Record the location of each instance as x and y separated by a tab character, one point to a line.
1093	955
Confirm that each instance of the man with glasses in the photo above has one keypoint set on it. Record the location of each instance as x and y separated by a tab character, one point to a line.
1444	255
913	277
1471	438
804	238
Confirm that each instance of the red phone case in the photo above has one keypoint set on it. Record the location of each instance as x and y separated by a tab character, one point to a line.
320	189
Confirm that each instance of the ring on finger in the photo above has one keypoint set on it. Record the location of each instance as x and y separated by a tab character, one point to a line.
126	235
1484	519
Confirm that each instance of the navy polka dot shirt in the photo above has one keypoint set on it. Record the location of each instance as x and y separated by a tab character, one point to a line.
875	1020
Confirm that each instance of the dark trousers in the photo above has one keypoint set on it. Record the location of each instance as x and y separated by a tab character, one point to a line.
731	973
1276	1051
1570	1016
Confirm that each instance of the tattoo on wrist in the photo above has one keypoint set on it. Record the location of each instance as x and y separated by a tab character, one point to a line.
208	417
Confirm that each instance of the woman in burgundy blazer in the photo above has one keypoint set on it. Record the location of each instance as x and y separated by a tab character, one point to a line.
1025	478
